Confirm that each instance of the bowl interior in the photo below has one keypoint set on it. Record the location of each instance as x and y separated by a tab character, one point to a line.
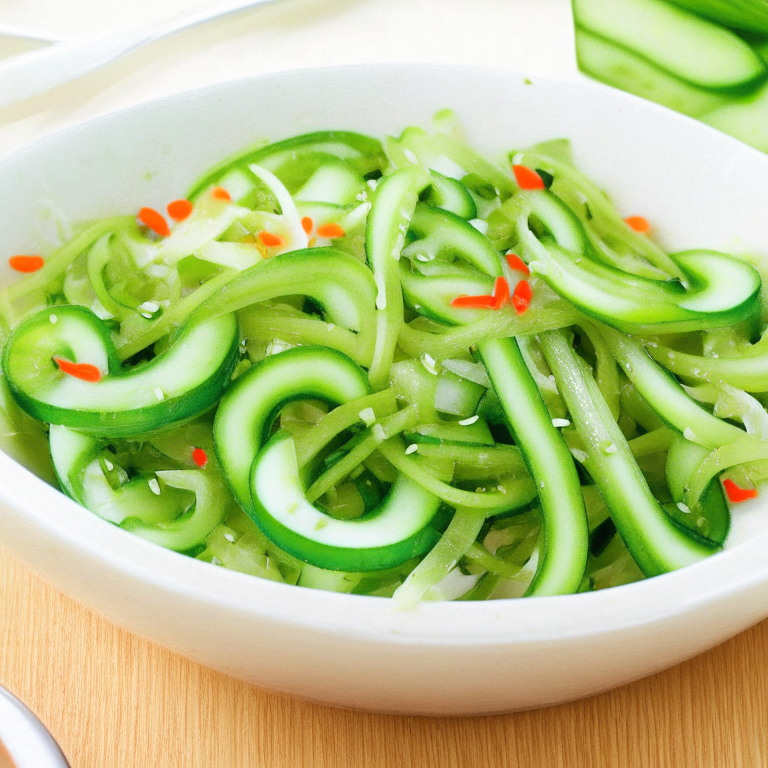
699	188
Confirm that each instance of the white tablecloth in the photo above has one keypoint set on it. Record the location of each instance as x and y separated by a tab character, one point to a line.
530	36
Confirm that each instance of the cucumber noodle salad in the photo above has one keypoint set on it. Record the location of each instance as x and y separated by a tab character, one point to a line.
394	368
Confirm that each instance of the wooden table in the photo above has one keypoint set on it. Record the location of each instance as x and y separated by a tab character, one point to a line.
113	700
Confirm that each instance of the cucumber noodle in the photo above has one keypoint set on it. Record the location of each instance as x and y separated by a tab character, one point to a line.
649	447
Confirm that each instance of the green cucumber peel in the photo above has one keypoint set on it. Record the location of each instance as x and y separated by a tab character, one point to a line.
747	15
336	281
459	536
392	208
747	371
248	407
450	195
175	386
684	44
86	474
655	542
396	531
622	68
565	532
640	305
666	397
713	519
191	529
293	158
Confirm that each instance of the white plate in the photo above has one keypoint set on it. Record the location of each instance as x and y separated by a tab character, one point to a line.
699	188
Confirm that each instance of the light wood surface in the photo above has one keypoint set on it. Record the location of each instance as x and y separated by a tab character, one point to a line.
113	700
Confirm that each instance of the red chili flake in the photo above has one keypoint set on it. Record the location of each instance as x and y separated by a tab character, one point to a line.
179	210
155	221
26	263
521	298
737	494
200	457
307	224
270	239
527	178
83	371
501	292
638	223
331	230
219	193
516	263
474	302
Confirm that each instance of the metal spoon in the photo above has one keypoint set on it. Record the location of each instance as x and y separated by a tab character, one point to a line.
32	73
24	742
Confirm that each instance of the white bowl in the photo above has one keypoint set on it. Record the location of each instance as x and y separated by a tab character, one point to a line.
698	187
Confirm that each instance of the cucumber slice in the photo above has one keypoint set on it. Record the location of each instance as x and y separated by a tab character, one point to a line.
336	281
321	213
335	183
622	68
747	371
666	397
191	529
388	222
640	305
431	290
686	45
248	407
452	433
745	119
748	15
454	158
443	235
560	222
683	460
397	530
80	462
566	534
656	543
177	384
451	195
293	158
457	396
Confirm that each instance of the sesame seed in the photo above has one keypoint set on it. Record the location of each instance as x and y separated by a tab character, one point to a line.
53	319
154	486
412	448
470	420
561	423
159	394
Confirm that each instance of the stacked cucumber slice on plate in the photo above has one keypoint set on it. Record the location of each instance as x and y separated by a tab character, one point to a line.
398	369
705	58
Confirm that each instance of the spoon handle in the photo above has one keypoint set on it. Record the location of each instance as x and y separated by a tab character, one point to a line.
33	73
